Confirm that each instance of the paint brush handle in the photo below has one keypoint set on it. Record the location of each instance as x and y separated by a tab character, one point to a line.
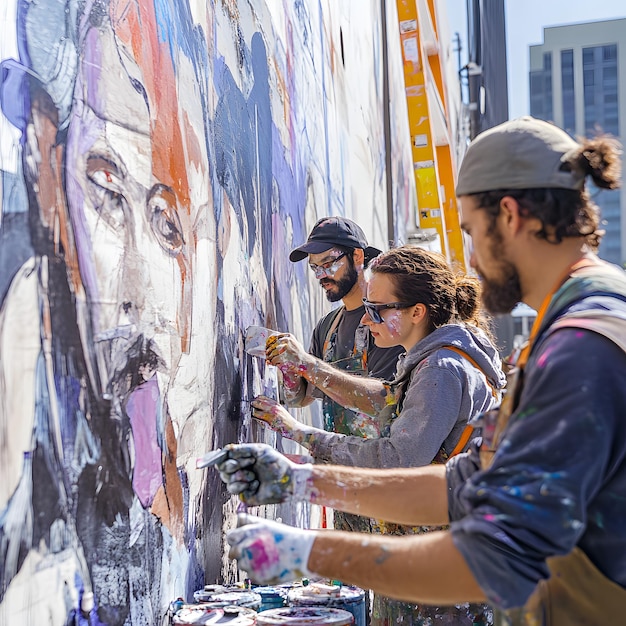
215	457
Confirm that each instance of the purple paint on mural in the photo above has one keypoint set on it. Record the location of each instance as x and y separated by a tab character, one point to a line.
142	408
163	157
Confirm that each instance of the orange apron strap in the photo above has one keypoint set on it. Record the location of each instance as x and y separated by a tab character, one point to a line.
465	437
467	433
494	391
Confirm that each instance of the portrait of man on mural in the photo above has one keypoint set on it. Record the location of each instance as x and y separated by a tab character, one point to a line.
101	313
165	155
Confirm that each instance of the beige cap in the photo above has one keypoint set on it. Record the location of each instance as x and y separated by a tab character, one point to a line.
525	153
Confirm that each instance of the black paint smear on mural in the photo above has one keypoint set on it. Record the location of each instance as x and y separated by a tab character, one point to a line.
209	532
242	134
125	568
112	488
40	485
228	394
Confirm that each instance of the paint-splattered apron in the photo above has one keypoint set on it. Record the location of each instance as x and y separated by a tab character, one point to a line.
341	420
577	593
389	612
338	419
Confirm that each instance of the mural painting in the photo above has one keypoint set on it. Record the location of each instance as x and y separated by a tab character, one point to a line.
159	160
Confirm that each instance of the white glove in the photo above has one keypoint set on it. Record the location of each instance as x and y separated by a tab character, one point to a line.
261	475
271	553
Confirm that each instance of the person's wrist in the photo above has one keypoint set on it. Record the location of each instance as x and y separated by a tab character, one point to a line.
295	434
308	366
292	381
306	541
302	481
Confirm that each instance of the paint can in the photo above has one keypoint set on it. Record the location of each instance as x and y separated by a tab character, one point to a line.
305	616
215	589
199	614
218	596
271	597
344	597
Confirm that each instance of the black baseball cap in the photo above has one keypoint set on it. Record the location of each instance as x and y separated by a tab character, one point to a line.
333	231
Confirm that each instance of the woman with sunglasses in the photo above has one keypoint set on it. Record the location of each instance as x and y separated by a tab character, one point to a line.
449	374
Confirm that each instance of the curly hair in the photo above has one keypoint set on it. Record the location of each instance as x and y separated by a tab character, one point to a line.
566	213
423	276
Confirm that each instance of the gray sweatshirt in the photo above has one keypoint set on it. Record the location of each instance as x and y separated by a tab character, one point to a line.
444	391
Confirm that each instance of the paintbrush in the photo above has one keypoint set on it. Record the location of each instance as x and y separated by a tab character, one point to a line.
215	457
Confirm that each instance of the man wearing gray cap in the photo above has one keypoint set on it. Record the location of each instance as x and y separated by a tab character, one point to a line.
537	511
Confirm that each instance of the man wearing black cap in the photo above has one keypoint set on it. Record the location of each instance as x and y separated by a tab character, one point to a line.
338	253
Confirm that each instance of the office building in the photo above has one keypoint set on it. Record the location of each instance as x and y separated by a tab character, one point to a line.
578	81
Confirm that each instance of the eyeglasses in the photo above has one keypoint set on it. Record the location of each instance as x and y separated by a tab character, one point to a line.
373	310
323	269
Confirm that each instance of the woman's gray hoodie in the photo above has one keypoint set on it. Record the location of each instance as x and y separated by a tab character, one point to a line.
443	392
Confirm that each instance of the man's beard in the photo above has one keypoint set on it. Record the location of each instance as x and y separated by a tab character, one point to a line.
500	295
344	285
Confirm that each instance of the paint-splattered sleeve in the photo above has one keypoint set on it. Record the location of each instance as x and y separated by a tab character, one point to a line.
553	480
431	409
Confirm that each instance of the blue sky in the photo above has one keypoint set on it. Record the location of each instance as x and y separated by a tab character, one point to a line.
525	20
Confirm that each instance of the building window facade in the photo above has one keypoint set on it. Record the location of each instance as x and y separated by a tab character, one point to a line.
541	90
611	245
567	91
601	104
600	92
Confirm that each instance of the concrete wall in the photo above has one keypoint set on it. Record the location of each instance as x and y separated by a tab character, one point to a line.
159	159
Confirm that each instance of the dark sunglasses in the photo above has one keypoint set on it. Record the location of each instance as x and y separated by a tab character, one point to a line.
373	309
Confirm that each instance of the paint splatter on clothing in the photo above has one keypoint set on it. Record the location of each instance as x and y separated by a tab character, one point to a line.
558	478
442	392
350	347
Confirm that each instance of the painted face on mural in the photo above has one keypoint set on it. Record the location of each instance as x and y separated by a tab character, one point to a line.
136	185
132	222
336	272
